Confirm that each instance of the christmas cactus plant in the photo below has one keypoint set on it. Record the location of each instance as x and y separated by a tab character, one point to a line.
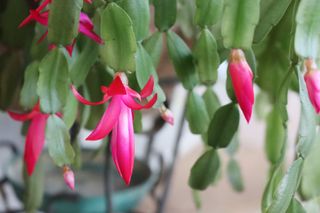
106	54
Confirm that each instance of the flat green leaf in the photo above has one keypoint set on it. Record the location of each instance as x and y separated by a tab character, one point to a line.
15	11
70	110
120	43
307	126
153	45
139	13
34	188
307	37
275	136
212	102
28	95
208	12
223	126
197	114
165	13
204	171
58	140
286	188
182	59
238	23
144	70
207	58
295	207
83	63
63	23
233	146
310	180
53	81
234	175
271	12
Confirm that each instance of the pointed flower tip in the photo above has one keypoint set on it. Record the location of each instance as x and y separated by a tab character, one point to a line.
68	177
312	79
167	115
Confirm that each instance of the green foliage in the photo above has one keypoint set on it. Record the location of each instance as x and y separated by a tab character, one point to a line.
53	81
238	24
182	59
223	126
58	140
234	175
140	16
165	13
307	36
208	12
206	57
34	188
153	45
28	96
197	114
63	21
120	43
204	171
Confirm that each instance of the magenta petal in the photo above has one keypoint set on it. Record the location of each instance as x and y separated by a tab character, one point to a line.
22	117
35	141
89	33
148	88
42	37
123	144
116	87
107	121
131	103
312	80
85	21
85	101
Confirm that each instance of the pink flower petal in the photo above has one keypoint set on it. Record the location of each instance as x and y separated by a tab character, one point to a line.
22	117
107	121
131	103
85	101
89	33
116	87
35	141
148	88
85	21
123	144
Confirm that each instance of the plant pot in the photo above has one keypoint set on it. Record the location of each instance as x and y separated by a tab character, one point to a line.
88	196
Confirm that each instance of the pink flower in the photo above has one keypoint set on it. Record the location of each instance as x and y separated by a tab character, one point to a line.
35	136
68	177
85	24
312	79
118	118
242	77
166	114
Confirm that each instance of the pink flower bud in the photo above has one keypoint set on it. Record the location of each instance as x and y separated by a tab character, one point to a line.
241	77
312	79
167	114
68	177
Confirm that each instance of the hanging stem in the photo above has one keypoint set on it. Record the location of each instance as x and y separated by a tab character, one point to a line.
163	198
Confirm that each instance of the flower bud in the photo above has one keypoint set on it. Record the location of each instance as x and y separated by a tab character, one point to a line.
241	78
166	115
312	79
68	177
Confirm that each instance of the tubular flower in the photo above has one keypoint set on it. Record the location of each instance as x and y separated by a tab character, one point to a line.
35	135
41	16
312	79
242	77
118	118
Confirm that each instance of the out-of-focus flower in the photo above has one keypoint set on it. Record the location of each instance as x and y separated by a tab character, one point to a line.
166	114
68	177
35	135
312	79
